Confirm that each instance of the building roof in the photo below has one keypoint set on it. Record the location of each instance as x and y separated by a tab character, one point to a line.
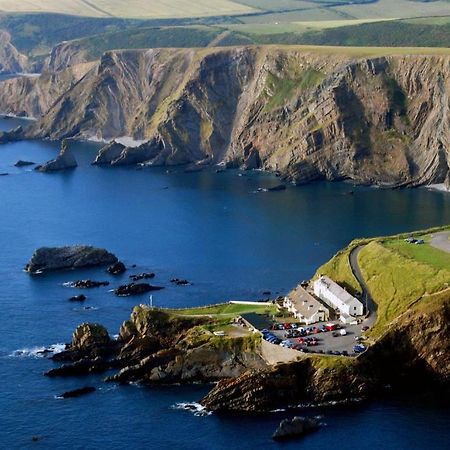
305	303
337	290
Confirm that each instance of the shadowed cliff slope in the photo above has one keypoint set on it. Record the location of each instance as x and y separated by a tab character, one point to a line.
309	114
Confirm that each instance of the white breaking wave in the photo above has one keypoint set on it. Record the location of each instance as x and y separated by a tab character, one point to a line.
193	407
38	352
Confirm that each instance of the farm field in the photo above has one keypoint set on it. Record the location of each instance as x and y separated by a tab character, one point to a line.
144	9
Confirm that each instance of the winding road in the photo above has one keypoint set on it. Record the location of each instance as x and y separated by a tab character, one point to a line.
366	298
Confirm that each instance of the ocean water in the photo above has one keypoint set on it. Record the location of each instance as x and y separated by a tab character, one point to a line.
211	228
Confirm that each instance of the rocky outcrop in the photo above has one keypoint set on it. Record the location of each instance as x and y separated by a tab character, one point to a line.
157	347
64	161
89	335
11	136
304	114
298	426
11	61
56	258
109	153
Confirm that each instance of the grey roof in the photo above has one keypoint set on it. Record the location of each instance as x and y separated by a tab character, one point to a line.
304	302
337	290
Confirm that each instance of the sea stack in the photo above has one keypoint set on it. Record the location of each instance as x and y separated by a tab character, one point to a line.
65	160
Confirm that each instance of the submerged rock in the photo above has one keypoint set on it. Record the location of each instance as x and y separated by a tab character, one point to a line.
22	163
71	257
87	284
77	392
135	289
279	187
65	160
180	282
78	298
298	426
117	268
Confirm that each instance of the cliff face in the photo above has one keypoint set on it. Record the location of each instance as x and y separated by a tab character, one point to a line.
309	115
35	96
11	60
412	356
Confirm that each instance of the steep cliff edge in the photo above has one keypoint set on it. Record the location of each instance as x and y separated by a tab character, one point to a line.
309	114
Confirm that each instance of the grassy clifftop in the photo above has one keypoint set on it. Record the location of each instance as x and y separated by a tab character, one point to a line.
400	276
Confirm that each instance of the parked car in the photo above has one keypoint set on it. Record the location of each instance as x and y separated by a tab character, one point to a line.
359	348
343	332
365	328
331	326
323	329
345	352
335	334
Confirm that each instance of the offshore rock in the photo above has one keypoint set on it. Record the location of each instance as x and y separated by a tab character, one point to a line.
117	268
298	426
73	257
86	284
65	160
89	335
22	163
135	289
78	298
142	276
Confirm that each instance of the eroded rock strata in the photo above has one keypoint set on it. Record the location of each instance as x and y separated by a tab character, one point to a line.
305	114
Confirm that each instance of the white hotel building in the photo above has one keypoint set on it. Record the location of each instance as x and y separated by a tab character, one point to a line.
337	298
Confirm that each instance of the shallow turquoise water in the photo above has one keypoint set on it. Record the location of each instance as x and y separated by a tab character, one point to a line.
209	228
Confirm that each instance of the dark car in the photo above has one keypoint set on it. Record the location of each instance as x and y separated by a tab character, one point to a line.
345	352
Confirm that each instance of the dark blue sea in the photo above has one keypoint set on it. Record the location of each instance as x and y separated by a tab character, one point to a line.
210	228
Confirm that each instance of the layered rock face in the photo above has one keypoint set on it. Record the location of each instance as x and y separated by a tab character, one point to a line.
309	115
11	60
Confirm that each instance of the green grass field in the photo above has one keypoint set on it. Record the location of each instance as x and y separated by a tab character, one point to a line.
226	310
399	275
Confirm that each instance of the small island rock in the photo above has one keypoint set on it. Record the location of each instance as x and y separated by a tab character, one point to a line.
71	257
135	289
65	160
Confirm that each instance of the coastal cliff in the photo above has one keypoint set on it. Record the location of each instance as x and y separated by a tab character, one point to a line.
308	114
414	351
155	346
